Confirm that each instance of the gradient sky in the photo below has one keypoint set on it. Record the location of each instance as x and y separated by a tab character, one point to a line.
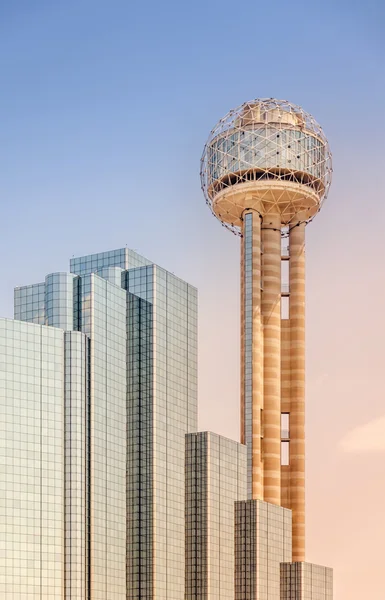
104	111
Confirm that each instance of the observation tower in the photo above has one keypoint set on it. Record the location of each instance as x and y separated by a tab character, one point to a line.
265	172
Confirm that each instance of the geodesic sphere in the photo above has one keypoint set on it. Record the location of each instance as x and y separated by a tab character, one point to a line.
270	156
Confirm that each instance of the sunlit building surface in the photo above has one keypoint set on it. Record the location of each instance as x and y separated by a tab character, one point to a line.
304	581
32	466
215	479
162	408
262	542
97	394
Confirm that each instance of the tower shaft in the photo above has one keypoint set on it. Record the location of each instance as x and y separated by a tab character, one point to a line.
297	389
271	321
252	352
273	368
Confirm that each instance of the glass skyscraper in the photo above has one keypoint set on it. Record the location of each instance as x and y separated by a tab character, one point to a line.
98	390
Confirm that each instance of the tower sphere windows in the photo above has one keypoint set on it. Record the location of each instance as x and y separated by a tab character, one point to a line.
239	167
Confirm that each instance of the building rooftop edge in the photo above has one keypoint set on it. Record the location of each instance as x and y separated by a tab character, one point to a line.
223	437
43	326
74	274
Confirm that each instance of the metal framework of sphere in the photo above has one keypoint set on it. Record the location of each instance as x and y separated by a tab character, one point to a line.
268	155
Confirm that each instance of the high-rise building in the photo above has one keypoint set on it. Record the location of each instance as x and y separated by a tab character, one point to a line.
304	581
265	172
215	480
97	392
263	540
162	408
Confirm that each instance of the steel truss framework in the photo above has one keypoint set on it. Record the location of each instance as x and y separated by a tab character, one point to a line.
273	152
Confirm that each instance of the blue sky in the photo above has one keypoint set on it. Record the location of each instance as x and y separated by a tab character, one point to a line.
104	111
106	106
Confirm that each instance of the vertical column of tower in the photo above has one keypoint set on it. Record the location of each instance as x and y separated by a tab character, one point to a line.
297	393
285	403
271	316
251	351
257	342
242	330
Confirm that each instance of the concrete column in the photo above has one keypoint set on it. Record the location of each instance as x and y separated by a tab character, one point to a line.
252	351
271	316
297	391
285	403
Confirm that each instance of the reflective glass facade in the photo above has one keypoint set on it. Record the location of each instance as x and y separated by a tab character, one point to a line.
129	396
59	300
248	346
305	581
29	303
262	542
123	258
77	464
140	449
165	319
215	479
32	440
263	148
103	319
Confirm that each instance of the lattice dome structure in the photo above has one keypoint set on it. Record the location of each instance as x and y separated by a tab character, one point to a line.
270	156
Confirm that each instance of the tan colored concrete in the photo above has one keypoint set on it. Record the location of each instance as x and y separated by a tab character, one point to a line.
278	371
271	315
285	402
297	392
268	196
285	366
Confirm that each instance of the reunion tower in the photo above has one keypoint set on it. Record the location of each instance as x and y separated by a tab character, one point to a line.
265	171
